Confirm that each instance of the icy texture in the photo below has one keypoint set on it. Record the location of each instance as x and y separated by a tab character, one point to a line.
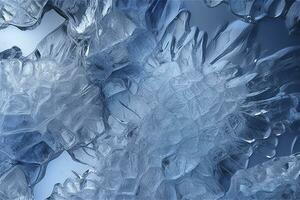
47	105
274	179
13	185
293	17
182	123
252	10
115	33
21	13
154	107
83	15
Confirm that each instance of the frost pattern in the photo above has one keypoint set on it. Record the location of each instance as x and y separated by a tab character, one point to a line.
158	110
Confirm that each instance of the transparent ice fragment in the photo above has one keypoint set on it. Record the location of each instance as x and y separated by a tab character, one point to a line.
82	15
21	13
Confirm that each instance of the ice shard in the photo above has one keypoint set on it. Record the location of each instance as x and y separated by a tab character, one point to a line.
21	13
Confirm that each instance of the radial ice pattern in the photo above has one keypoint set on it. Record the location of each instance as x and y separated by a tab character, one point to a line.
154	107
187	118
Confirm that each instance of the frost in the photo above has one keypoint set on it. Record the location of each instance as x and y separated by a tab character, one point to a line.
153	106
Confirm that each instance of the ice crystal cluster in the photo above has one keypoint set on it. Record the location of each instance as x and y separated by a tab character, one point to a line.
154	106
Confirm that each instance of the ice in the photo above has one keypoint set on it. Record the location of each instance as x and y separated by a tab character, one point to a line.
57	174
82	15
254	9
85	186
21	13
274	179
28	39
191	123
293	17
153	107
13	185
43	98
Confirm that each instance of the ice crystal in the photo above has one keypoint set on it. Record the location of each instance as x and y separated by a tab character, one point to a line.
192	118
153	106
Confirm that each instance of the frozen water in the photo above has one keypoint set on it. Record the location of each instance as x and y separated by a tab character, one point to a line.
155	107
13	185
58	171
38	100
252	10
21	13
293	17
27	40
274	179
